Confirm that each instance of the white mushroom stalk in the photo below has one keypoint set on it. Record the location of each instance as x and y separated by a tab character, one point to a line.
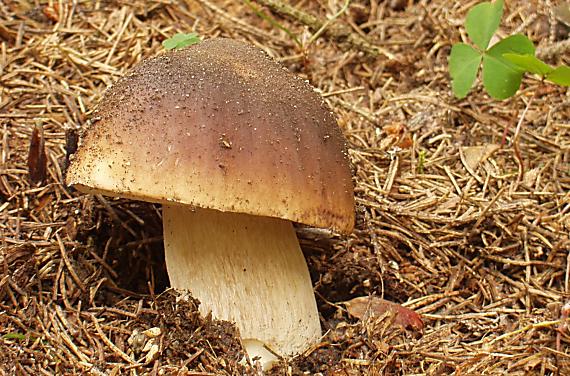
246	269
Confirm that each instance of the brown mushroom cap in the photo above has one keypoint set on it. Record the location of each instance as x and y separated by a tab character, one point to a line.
219	125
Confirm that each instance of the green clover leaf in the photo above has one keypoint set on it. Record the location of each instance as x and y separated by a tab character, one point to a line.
560	75
504	63
529	63
482	21
502	78
464	63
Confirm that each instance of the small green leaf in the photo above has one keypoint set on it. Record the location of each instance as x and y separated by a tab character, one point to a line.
18	336
464	63
560	75
482	21
180	40
529	63
502	78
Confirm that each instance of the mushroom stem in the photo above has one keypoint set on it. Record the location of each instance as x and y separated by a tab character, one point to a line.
246	269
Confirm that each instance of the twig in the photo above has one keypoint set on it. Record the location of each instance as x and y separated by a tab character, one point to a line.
273	22
516	139
336	31
322	29
243	25
544	324
109	343
483	214
65	335
74	275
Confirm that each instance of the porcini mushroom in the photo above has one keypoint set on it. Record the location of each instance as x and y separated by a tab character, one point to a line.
235	148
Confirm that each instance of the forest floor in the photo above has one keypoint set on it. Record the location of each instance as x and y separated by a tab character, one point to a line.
463	206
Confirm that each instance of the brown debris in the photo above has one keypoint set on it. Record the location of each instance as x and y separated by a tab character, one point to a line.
37	163
364	307
445	226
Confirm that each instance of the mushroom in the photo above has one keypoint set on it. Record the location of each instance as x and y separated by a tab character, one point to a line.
235	148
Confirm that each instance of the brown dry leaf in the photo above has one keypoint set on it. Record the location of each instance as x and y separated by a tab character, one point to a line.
7	34
37	162
372	306
394	129
51	13
474	155
397	134
530	177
